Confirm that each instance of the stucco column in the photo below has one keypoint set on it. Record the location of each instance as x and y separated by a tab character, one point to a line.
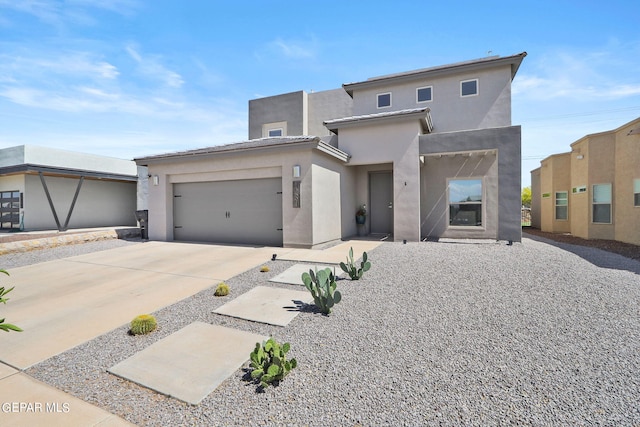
406	194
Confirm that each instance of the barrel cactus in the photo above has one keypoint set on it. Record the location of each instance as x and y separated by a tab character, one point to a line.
222	290
264	269
143	324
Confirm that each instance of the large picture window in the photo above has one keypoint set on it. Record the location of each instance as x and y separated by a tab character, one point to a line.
602	203
562	205
465	202
636	192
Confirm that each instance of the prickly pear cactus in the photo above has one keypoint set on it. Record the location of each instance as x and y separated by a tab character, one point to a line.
269	362
322	285
352	270
143	324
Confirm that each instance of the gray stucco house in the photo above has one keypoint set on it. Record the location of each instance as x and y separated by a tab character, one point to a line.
431	153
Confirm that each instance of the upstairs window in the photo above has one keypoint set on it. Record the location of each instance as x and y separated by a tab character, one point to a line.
562	205
469	87
384	100
424	94
465	202
602	203
275	132
636	192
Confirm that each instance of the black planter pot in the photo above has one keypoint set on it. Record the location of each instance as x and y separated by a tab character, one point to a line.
360	219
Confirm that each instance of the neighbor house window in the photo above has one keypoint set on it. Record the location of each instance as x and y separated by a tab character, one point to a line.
384	100
424	94
636	192
469	87
275	132
602	203
465	202
562	205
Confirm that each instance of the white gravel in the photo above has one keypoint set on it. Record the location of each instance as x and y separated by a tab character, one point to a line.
435	334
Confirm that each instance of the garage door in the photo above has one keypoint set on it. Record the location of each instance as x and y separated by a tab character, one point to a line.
244	211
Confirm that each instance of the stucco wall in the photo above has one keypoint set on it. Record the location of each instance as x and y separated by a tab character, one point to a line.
450	112
434	196
100	203
288	107
327	105
506	141
327	213
601	161
580	203
536	211
627	158
555	177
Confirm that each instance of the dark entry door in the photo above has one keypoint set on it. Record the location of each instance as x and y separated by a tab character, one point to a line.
381	207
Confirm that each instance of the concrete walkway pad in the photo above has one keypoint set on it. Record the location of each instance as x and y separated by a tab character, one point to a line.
293	274
191	363
333	255
28	402
274	306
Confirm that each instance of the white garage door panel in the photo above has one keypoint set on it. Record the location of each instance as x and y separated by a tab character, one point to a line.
243	211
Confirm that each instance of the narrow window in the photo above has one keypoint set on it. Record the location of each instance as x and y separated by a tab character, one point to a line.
602	203
636	192
384	100
423	94
562	205
469	87
275	132
465	202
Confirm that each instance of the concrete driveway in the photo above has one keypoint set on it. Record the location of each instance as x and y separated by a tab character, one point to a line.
61	304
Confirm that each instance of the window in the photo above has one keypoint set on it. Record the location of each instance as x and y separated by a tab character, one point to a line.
424	94
562	205
636	192
465	202
602	203
274	129
469	87
384	100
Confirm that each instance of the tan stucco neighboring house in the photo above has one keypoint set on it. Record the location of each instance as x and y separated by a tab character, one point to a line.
431	153
593	191
44	188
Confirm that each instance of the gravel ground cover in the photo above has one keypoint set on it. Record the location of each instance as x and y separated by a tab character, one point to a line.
435	334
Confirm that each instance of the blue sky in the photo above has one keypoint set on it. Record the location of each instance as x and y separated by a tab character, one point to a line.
129	78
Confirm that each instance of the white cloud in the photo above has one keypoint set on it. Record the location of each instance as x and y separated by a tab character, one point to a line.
151	66
577	76
294	50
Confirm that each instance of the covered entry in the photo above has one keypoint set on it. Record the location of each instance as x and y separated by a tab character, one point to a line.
241	211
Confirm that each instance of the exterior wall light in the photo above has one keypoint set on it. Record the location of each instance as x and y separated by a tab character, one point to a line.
579	157
296	171
156	180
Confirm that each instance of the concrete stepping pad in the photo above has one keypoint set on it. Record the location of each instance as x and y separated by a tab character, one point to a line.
274	306
190	363
293	274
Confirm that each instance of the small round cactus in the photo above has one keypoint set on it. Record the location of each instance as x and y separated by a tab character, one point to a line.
264	269
143	324
222	290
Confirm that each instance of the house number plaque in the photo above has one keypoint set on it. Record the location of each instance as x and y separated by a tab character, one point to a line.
296	194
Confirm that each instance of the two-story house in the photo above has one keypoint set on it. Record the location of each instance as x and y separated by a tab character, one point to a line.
431	153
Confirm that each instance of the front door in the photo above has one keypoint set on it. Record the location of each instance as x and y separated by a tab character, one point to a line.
381	202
